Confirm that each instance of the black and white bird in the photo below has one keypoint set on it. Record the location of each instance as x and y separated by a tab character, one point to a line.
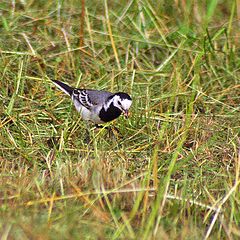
95	105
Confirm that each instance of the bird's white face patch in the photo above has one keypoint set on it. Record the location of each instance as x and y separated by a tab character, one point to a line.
123	105
126	104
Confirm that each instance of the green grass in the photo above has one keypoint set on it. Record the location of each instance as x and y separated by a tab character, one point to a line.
173	170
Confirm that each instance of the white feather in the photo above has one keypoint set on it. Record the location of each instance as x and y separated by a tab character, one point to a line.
126	104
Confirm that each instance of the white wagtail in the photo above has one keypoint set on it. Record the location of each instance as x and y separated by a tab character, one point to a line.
97	106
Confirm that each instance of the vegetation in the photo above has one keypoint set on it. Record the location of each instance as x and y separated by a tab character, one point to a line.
171	171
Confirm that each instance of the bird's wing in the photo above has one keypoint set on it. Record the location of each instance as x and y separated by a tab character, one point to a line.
86	97
90	98
98	97
82	97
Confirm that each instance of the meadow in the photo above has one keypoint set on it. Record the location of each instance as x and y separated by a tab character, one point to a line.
171	171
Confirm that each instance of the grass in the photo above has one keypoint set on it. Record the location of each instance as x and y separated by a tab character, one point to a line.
172	172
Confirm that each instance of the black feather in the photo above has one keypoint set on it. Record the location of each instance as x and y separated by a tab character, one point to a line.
64	87
111	113
123	95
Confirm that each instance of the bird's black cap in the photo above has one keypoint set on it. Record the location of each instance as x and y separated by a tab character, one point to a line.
123	95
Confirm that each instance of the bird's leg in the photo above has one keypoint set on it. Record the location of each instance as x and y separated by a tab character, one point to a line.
109	129
87	138
100	126
114	132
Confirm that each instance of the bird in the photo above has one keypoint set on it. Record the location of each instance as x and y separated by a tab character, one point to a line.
97	106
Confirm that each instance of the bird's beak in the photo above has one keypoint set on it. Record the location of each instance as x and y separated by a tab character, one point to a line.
126	114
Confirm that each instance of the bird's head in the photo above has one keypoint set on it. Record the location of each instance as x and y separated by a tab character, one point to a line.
123	102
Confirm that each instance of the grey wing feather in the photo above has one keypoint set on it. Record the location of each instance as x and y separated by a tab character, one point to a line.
98	97
86	97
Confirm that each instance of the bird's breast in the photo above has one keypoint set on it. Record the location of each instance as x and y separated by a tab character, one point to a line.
110	113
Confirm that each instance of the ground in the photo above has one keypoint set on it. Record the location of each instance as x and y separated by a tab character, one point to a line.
171	171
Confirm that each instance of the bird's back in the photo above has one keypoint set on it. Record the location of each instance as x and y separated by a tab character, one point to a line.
98	96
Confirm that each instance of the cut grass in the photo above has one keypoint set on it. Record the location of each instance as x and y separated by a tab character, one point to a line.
172	172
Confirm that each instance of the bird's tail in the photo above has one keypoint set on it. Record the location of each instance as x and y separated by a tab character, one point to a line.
64	87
